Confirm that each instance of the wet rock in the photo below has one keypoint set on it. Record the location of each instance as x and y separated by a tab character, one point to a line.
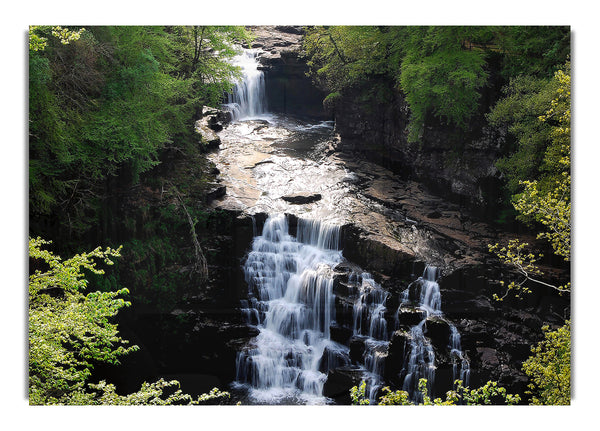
302	198
213	120
340	287
398	351
437	330
216	192
408	316
208	137
331	359
357	349
288	88
216	117
339	334
340	381
377	253
343	311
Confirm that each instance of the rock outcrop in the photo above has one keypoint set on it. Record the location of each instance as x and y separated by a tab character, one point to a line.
458	165
212	121
288	89
302	198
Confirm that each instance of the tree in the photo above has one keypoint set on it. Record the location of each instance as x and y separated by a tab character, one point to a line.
70	330
442	75
436	67
441	70
549	368
105	102
547	200
341	57
525	99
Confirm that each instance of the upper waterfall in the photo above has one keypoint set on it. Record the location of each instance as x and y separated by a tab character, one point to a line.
248	99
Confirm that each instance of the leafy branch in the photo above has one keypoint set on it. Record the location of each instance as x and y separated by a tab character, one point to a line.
486	394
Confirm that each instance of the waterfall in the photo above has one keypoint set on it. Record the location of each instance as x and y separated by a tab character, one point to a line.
369	321
421	359
248	99
291	303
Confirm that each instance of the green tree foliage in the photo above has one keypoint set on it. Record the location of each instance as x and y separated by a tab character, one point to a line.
105	101
547	199
532	50
341	57
442	74
490	393
549	368
70	330
526	99
441	70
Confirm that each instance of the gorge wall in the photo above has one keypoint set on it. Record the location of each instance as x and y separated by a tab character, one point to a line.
289	90
457	164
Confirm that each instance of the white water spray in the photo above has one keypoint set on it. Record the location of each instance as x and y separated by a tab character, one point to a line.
292	305
248	99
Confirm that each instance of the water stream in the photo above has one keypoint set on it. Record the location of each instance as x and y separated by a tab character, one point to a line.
424	294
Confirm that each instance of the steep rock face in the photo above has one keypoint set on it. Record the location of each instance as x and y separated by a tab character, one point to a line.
456	164
497	336
288	89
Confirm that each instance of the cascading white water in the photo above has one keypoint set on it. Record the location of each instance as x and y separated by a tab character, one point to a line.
291	303
462	372
369	322
248	99
421	360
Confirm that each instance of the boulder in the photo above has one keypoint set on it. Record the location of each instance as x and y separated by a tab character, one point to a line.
409	316
216	117
340	334
208	137
302	198
213	120
398	351
216	192
357	349
437	330
331	359
340	381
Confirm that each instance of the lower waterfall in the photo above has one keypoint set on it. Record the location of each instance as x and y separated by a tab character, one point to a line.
424	294
291	304
291	298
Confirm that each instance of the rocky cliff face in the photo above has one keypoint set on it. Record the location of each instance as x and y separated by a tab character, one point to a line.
455	164
288	88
